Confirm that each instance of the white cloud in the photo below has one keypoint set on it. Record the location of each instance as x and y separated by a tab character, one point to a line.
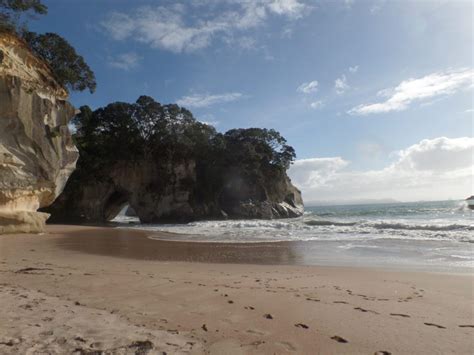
317	104
292	8
315	172
438	155
205	100
125	61
180	28
414	90
308	88
209	119
376	6
354	69
340	85
438	168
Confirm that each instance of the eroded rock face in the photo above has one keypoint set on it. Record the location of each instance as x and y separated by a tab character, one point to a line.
173	193
37	153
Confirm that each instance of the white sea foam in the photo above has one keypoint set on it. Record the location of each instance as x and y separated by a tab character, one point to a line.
437	231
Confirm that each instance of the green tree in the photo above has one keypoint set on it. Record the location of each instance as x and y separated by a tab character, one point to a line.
259	147
69	68
11	12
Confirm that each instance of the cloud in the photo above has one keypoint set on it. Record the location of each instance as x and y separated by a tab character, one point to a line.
292	8
125	61
205	100
438	168
438	155
308	88
181	28
340	85
418	90
315	172
376	6
209	119
354	69
316	104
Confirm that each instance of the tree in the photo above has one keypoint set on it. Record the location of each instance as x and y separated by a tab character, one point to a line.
259	147
69	68
11	11
142	130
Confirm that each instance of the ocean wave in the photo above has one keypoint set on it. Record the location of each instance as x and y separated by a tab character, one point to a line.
436	222
328	223
426	227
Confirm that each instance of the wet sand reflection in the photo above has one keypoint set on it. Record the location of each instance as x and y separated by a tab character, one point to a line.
136	244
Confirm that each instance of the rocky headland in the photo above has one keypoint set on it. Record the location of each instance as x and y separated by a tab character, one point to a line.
169	167
37	153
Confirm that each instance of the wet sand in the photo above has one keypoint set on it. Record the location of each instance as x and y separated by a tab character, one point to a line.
135	244
90	288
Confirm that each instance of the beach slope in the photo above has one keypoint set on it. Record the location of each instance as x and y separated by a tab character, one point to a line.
72	290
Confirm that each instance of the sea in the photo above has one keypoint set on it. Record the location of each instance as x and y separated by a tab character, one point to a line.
437	236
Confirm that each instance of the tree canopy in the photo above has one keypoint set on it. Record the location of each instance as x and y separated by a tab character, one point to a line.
12	10
147	130
69	68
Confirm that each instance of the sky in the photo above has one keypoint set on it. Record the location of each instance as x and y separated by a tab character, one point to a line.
375	96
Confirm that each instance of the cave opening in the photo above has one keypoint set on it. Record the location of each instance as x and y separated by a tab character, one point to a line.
115	203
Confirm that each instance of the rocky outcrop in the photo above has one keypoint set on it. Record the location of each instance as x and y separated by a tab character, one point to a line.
37	154
173	193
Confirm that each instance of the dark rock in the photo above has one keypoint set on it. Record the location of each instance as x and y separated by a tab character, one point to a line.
158	194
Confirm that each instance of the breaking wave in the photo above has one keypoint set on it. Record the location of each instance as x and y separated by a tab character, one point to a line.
437	221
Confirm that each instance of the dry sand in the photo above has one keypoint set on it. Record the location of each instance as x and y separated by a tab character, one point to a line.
87	289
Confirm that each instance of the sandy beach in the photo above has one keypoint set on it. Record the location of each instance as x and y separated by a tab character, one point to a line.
91	290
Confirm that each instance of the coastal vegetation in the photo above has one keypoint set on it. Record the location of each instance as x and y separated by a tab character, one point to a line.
69	68
151	131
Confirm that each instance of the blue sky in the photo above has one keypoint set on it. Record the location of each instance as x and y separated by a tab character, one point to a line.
375	96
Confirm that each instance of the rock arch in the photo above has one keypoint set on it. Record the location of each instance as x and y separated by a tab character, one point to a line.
115	202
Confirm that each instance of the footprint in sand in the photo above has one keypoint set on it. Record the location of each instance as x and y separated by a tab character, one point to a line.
249	307
301	325
400	315
28	270
255	332
204	327
382	353
466	326
339	339
312	299
255	343
287	345
342	302
435	325
268	316
365	310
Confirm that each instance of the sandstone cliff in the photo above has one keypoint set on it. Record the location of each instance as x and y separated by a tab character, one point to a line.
37	154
